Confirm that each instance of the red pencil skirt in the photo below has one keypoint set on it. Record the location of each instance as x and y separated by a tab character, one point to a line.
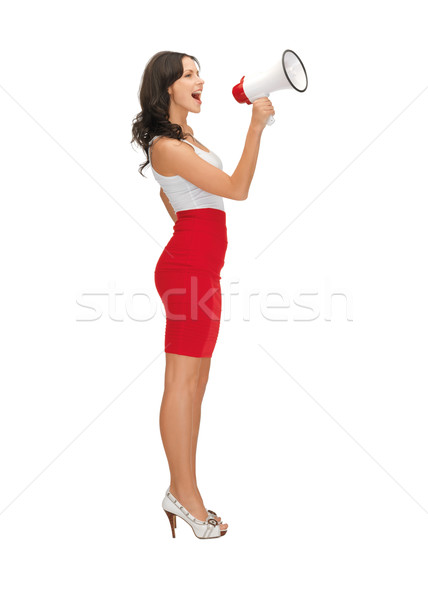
187	278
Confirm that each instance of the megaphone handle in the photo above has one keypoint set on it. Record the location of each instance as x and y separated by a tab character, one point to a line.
270	120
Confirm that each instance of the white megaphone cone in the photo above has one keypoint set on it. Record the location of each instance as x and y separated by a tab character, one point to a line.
287	73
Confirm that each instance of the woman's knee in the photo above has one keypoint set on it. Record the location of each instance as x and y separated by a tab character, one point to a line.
182	371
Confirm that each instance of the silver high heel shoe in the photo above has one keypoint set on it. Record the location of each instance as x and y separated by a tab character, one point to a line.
207	529
210	512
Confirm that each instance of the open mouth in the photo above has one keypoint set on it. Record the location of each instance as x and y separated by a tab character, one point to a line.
197	97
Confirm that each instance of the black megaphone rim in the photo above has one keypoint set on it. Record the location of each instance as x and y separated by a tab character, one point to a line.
285	72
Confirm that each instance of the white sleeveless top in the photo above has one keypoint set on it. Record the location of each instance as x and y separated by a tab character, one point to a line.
184	195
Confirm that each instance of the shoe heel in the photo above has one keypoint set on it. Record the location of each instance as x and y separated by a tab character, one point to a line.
172	521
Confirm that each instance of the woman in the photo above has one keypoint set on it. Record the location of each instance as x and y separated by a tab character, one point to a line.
187	274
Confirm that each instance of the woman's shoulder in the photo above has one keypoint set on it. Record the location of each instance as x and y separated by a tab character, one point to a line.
164	153
163	141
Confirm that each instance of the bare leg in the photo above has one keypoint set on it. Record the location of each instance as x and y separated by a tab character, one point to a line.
175	420
197	402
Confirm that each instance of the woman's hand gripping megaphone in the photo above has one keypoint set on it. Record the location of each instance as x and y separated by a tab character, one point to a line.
263	112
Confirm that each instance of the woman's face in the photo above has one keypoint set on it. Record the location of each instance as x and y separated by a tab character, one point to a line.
182	89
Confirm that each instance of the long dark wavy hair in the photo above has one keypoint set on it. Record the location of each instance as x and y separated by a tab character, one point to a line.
160	72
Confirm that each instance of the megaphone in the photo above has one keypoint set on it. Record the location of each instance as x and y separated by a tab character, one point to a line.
287	73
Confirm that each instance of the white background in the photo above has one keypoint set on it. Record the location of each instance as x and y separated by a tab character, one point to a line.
313	438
